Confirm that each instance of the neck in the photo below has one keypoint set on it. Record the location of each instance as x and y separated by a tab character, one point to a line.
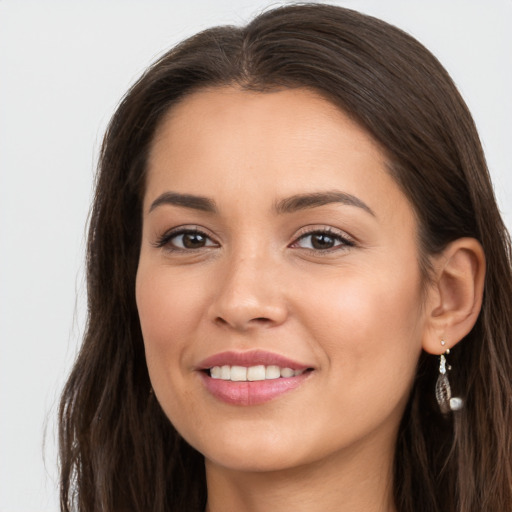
354	482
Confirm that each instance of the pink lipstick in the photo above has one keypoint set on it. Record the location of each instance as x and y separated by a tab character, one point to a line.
251	378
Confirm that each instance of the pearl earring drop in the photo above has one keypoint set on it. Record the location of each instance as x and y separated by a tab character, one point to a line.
444	397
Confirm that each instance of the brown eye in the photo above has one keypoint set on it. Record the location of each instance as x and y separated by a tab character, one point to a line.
192	240
323	241
185	239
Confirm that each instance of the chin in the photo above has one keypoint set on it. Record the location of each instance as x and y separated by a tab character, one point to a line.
265	452
260	461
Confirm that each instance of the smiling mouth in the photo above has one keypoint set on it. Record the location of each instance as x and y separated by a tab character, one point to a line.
253	377
259	372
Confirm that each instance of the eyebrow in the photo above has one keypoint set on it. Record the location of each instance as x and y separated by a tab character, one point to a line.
316	199
201	203
288	205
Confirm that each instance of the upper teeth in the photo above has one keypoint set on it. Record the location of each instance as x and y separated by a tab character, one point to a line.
252	373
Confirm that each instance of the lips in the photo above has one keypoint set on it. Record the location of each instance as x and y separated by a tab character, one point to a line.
251	378
250	358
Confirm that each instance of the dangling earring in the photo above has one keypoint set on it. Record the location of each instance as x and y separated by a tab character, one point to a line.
444	397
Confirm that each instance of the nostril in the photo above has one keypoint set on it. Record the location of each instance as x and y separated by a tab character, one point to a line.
261	320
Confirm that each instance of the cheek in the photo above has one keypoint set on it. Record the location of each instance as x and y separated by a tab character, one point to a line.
373	354
167	300
168	313
169	309
370	327
362	300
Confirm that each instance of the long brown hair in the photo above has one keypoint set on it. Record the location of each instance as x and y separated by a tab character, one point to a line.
118	451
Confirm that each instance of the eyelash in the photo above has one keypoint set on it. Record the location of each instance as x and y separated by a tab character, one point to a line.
165	239
343	240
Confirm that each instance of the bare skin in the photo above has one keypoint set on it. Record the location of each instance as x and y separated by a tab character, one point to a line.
324	486
271	223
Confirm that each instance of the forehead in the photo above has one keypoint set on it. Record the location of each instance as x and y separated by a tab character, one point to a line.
287	110
215	132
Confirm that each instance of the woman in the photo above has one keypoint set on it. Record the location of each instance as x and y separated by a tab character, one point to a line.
294	238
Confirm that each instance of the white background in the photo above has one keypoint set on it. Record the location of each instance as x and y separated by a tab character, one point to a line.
63	67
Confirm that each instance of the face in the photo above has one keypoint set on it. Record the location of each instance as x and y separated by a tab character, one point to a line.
278	287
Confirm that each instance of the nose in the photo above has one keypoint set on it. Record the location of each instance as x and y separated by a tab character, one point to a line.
250	294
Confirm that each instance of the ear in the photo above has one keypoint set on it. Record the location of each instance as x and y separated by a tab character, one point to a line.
455	296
